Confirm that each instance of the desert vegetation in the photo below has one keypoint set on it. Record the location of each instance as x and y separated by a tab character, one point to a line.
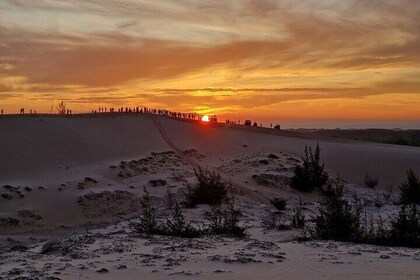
61	108
410	189
225	221
279	203
220	220
298	218
279	220
370	182
148	223
341	220
311	174
337	218
209	189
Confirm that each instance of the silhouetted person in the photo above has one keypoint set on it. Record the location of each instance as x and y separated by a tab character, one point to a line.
255	124
2	111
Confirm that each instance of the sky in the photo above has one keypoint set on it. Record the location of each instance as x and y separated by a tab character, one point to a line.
305	63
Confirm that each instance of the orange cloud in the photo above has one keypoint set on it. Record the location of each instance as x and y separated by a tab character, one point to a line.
300	58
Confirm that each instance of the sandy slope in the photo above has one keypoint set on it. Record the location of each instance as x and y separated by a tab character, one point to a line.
33	146
70	178
350	159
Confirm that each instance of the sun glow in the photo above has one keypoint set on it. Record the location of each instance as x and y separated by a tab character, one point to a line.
205	118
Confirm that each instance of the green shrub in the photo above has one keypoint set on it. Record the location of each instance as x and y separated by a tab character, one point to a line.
370	182
148	223
311	174
274	221
210	189
298	218
405	230
179	227
279	203
175	227
225	221
337	219
410	189
221	222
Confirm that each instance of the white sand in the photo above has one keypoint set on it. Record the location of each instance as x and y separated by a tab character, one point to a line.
63	154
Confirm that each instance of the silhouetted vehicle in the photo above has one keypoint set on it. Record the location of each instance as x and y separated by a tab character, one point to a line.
247	122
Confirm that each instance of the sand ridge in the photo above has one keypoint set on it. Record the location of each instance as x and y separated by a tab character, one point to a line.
67	217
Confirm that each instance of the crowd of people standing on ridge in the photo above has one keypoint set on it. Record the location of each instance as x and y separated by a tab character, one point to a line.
146	110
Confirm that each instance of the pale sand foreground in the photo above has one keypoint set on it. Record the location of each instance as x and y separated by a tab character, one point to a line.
66	182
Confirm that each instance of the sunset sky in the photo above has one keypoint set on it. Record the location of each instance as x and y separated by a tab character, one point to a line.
299	63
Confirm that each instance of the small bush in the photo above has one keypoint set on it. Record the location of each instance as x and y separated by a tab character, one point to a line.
405	230
148	223
410	189
221	222
225	222
311	174
337	219
298	218
270	220
389	191
274	221
61	108
370	182
374	232
279	203
175	227
210	189
179	227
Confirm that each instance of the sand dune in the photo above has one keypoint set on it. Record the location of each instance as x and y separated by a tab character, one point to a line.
33	146
65	183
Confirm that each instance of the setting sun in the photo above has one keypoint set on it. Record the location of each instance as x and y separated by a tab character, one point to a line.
205	118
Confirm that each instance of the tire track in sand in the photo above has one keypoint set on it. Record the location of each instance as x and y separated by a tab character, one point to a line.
251	194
